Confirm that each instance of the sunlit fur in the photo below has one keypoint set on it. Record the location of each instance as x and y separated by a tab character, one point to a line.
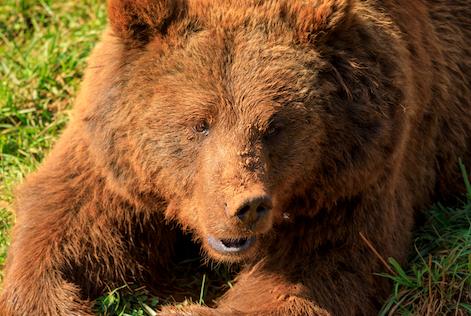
370	103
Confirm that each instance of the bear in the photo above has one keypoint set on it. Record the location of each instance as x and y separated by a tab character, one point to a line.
290	138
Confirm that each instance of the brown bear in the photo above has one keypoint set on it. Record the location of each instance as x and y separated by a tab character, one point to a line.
290	137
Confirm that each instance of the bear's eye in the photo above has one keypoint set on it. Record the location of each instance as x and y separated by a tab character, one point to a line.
272	131
202	127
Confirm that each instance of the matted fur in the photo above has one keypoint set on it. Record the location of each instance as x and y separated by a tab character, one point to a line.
350	115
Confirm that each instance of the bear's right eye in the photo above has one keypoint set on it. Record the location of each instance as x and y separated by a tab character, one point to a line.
202	127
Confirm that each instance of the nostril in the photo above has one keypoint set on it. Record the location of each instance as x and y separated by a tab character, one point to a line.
243	211
253	209
262	209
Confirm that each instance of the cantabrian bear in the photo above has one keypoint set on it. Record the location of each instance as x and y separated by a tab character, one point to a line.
290	137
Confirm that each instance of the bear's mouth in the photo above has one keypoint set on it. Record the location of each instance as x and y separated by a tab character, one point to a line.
231	245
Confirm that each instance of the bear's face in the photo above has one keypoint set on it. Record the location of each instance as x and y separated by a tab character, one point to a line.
229	116
231	124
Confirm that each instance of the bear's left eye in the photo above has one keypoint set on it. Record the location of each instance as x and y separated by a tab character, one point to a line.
202	127
272	131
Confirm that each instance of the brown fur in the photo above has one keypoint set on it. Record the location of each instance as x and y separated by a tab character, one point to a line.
349	115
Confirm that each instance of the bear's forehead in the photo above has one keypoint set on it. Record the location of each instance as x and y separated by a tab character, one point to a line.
244	46
233	59
245	70
228	14
242	65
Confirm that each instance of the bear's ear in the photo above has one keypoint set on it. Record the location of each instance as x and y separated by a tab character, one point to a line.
138	20
315	20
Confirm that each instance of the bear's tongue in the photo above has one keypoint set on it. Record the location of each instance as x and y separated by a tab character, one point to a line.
234	243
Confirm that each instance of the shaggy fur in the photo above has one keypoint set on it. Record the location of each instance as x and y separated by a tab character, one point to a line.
343	117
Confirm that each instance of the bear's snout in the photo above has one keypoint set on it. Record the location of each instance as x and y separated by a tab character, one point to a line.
234	234
250	210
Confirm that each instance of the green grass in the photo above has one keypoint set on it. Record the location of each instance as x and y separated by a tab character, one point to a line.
125	301
438	281
43	51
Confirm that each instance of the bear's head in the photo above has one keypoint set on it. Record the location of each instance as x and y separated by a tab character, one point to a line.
234	113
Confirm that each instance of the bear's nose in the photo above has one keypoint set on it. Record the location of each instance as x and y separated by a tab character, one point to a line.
252	209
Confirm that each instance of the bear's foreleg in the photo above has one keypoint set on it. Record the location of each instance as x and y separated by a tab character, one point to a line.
336	282
256	293
75	237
